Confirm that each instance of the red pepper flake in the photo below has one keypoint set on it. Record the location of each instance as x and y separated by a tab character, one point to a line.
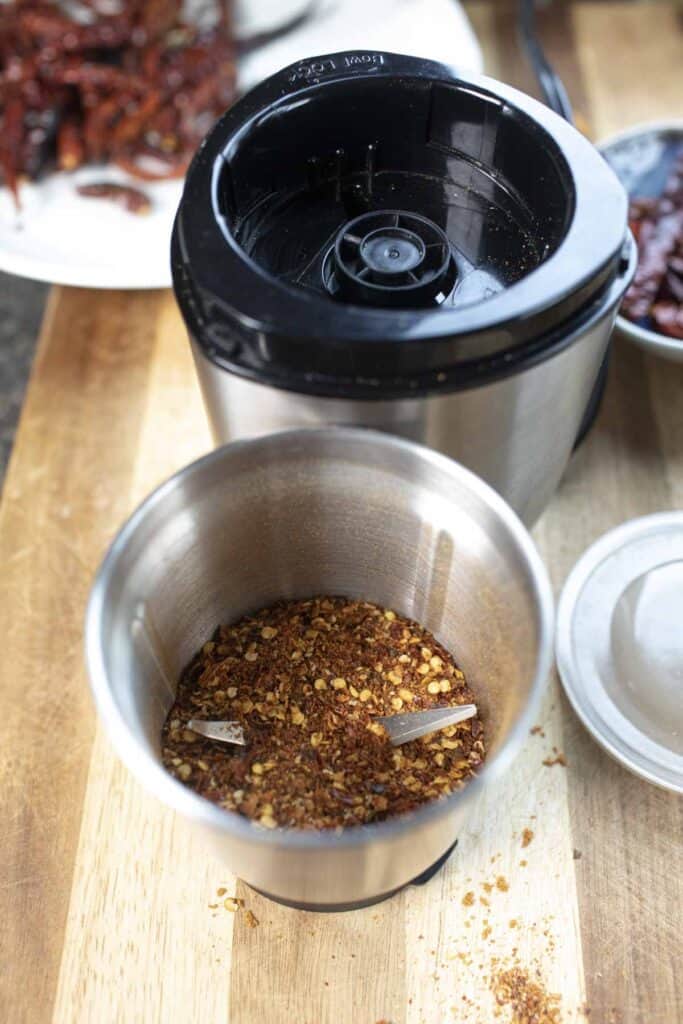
468	899
502	884
527	836
307	680
537	731
527	999
558	759
233	904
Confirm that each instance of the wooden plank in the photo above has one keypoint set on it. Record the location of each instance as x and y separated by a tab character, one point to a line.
66	491
319	969
106	897
629	877
497	28
631	57
627	832
524	900
148	873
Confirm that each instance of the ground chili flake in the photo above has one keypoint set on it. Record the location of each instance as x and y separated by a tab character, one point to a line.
527	836
306	680
527	999
560	759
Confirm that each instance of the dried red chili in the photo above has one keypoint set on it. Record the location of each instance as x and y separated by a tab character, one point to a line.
655	299
138	88
307	680
131	199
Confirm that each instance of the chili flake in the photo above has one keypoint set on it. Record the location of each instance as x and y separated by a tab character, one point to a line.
526	998
527	836
307	680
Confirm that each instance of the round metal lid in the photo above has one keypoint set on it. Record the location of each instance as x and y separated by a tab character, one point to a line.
619	645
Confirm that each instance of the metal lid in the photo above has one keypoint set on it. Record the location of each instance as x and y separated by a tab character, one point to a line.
620	645
374	225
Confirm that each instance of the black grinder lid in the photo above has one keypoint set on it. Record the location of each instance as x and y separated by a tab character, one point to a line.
369	225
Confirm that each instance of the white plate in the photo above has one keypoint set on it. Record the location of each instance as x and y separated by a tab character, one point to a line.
641	157
619	645
61	237
64	238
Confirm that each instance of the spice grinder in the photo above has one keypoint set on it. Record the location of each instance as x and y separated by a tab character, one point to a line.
377	240
329	511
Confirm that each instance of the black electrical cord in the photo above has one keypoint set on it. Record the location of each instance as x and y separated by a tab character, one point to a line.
555	95
551	85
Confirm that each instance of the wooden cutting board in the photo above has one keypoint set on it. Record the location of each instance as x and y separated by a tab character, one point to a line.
105	897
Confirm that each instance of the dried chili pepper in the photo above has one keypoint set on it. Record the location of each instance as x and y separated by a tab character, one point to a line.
655	299
138	88
132	199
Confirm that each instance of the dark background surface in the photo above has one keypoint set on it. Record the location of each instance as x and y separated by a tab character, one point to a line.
22	304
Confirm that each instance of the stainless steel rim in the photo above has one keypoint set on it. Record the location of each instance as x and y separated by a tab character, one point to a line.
155	778
571	591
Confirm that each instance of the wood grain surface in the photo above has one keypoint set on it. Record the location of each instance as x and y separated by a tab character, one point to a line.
108	905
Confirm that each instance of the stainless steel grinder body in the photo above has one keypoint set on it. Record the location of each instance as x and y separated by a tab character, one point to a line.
517	433
379	241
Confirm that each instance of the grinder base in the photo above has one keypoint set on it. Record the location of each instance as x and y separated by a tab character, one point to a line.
338	908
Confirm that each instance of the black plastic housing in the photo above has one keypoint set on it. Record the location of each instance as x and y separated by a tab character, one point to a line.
535	221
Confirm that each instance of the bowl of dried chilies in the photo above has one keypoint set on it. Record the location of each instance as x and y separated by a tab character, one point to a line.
648	159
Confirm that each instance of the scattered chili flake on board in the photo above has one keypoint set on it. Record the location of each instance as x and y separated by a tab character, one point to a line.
526	998
527	836
502	884
307	680
468	899
251	918
558	759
